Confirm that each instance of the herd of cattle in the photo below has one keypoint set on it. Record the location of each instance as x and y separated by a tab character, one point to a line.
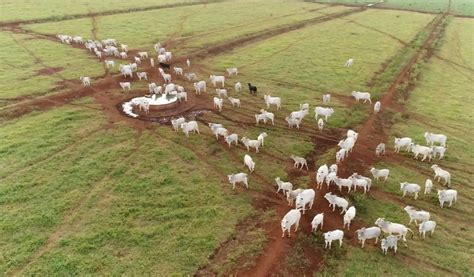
302	199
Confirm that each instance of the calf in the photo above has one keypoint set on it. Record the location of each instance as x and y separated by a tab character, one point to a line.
252	89
232	71
176	123
232	138
234	101
326	112
349	216
218	102
380	173
178	70
291	196
361	95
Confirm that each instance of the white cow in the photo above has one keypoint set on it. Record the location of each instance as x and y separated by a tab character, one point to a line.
238	87
349	216
333	168
380	173
304	106
361	95
326	112
176	123
151	87
190	76
238	178
268	116
390	228
368	233
441	174
123	55
341	182
340	155
292	122
182	95
109	63
220	131
143	55
360	181
347	144
389	242
290	219
377	107
330	178
428	186
435	138
320	124
124	47
137	60
217	79
86	81
352	134
291	196
248	161
336	201
178	70
438	150
299	161
188	62
349	62
380	149
410	188
232	71
234	101
166	77
416	216
250	144
326	98
269	100
333	235
125	85
403	143
425	151
261	138
317	220
299	114
190	126
449	195
200	87
286	187
232	138
321	174
218	102
221	92
306	197
142	75
427	226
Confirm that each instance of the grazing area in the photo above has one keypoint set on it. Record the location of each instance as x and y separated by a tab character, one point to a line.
249	138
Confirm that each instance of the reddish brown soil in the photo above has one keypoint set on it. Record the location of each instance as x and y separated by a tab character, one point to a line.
49	70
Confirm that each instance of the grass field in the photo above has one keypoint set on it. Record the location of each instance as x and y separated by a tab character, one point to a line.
83	192
458	7
55	9
38	66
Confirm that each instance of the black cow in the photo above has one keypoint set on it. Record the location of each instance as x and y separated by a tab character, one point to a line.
165	65
252	89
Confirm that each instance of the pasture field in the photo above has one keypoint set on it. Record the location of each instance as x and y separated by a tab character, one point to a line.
40	67
85	190
458	7
200	26
12	10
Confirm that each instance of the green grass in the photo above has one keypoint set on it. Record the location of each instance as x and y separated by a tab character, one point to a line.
458	7
12	10
20	76
140	30
326	51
